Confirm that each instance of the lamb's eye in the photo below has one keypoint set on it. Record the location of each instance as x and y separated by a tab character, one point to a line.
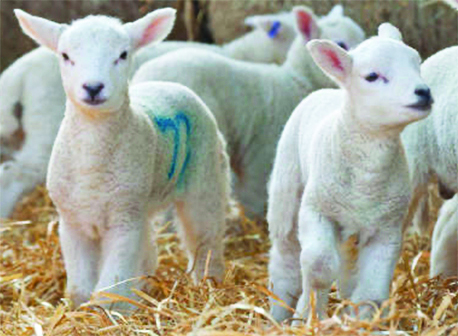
65	57
123	55
372	77
342	45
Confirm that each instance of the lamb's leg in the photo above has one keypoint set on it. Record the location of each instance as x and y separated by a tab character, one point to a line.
127	252
444	251
250	184
16	180
348	276
81	255
320	260
201	229
377	260
285	274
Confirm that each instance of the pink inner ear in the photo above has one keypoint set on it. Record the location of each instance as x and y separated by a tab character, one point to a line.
305	23
153	30
336	63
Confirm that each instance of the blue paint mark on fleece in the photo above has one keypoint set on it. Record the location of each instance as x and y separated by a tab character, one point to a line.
273	32
164	124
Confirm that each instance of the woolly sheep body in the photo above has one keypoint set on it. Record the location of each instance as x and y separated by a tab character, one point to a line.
340	175
122	154
251	102
432	144
32	84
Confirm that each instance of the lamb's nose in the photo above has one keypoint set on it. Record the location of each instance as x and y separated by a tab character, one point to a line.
93	89
424	93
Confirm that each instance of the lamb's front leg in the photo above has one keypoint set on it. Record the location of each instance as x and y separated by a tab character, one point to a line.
285	274
320	260
81	256
127	252
377	259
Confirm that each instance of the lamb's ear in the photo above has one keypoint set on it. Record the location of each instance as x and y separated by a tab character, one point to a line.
45	32
269	23
336	11
389	31
152	28
306	23
332	59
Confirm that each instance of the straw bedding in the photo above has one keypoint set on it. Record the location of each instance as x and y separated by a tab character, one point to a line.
32	281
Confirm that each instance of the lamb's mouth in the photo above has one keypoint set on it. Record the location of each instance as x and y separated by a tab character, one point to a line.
94	102
421	106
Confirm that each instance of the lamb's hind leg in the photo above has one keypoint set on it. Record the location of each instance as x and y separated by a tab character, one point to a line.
444	250
202	227
320	260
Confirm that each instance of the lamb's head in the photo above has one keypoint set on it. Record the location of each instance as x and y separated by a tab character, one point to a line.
341	29
95	53
334	27
278	26
381	78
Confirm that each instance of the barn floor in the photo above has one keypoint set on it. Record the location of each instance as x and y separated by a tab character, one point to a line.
32	280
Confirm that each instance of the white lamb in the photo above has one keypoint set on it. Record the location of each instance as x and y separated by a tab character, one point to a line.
252	102
432	148
32	88
121	155
268	42
340	174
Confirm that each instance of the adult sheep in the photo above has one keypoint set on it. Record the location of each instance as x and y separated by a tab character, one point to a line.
252	102
123	153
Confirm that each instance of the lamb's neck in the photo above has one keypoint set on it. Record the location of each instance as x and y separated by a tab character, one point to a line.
301	64
372	150
104	124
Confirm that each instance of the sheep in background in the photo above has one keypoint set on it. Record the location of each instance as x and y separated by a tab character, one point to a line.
122	154
252	102
340	174
432	148
432	145
444	247
268	42
31	95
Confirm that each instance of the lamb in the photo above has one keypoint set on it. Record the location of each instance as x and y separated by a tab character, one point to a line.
432	147
268	42
123	153
340	176
432	144
32	100
444	247
251	102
